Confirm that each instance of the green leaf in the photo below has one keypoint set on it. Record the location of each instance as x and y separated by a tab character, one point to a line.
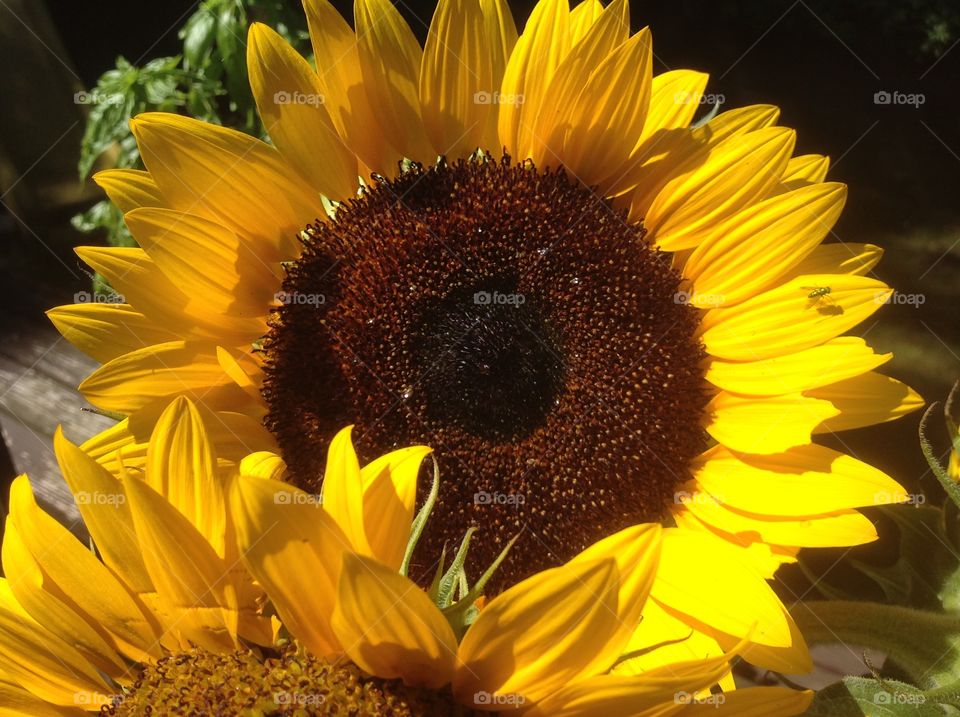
866	697
104	216
924	644
198	36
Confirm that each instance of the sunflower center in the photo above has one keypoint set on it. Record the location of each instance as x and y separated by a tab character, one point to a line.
488	361
284	683
518	324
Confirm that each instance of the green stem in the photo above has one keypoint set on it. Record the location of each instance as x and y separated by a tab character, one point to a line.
926	645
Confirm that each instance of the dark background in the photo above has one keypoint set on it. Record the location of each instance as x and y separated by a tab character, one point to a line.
820	61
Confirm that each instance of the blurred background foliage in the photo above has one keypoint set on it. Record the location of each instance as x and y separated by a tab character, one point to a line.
207	79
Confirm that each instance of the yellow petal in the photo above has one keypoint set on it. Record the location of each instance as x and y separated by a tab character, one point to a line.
839	258
807	480
841	528
663	638
243	368
560	105
279	526
182	467
767	424
652	694
291	103
130	188
802	171
739	121
103	505
106	331
457	80
609	111
17	702
765	558
228	177
735	174
390	58
195	594
343	490
338	72
209	263
40	597
48	667
582	18
785	320
72	568
263	464
836	360
755	247
540	48
135	379
540	634
389	498
140	283
866	400
703	577
674	100
501	35
235	434
390	628
636	551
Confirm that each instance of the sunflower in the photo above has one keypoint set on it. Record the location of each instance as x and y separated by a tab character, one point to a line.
175	623
523	252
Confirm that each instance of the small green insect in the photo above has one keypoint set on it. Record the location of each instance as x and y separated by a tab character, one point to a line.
817	292
819	297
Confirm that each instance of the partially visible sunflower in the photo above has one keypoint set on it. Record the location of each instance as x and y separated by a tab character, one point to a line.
628	318
162	617
165	577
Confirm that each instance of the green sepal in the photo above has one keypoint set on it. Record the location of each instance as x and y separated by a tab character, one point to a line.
420	521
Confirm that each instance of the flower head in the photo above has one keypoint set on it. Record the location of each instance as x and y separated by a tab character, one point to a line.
601	312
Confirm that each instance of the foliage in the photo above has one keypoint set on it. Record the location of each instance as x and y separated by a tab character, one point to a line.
916	622
208	80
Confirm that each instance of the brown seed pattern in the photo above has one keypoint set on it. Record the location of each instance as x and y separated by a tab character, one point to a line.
515	322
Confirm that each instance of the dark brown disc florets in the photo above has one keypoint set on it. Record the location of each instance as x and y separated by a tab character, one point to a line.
515	322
